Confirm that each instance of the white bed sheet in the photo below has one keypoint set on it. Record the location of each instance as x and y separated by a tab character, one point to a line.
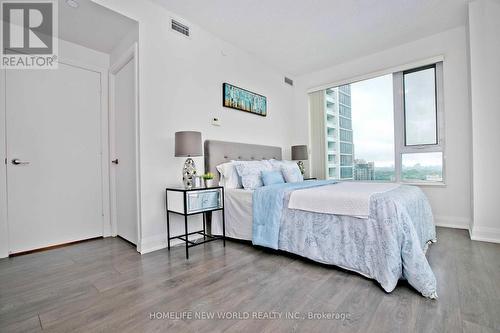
343	198
238	213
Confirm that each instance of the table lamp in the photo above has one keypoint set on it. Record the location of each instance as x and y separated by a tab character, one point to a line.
299	154
188	144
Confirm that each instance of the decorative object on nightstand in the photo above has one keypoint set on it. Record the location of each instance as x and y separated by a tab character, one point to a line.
197	181
299	154
188	144
208	179
187	202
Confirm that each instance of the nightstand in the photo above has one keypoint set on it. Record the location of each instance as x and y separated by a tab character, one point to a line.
187	202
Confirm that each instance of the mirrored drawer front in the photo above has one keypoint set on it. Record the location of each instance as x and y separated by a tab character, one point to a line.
204	200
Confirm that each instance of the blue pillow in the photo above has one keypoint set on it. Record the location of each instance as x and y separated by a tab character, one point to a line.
272	177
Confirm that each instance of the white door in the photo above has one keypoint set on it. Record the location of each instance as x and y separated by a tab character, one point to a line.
53	130
125	145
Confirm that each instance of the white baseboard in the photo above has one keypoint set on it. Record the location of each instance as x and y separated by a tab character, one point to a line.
485	234
153	243
455	222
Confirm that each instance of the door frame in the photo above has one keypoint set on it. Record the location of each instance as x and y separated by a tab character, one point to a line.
4	229
104	152
131	54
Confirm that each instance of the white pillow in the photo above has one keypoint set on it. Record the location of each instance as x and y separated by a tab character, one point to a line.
289	169
292	173
279	164
251	172
229	177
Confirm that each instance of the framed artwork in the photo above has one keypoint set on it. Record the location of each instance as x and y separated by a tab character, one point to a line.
244	100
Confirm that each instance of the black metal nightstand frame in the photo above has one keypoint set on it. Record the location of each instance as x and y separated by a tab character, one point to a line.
185	237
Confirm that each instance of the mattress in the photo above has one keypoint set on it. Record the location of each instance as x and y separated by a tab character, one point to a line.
238	214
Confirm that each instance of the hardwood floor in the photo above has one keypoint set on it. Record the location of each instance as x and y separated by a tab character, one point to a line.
104	285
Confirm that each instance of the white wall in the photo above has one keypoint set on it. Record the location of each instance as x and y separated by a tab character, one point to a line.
125	43
181	89
451	204
82	54
484	40
77	55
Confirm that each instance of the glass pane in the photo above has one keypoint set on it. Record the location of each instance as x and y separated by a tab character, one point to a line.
346	172
360	130
373	129
422	167
420	107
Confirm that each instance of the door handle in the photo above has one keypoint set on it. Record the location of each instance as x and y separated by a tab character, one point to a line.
114	161
17	161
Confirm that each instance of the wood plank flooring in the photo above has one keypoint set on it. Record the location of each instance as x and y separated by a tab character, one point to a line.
105	286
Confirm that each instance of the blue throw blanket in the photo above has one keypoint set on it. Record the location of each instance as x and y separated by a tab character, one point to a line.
388	246
268	208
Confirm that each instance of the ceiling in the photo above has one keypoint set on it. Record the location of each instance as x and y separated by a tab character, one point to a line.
92	26
300	36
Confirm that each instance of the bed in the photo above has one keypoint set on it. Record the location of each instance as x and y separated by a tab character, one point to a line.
387	243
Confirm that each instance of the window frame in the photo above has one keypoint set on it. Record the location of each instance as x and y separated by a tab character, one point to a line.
414	70
400	146
399	118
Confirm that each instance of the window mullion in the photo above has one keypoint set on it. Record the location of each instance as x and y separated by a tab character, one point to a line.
440	104
398	123
421	149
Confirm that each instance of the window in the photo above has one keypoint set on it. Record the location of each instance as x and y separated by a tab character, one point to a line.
345	111
420	109
388	128
331	146
345	148
344	99
345	172
422	167
420	152
345	160
345	135
345	123
346	89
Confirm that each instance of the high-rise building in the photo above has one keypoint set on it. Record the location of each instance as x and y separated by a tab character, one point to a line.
364	170
339	144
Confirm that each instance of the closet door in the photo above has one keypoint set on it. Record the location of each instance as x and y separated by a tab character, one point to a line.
53	156
125	159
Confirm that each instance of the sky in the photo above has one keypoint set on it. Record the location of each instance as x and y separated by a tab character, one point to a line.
420	107
373	119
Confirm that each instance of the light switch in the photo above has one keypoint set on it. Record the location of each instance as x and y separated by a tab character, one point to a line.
216	121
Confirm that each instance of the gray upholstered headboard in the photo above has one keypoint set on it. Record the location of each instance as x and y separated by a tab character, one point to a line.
218	152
